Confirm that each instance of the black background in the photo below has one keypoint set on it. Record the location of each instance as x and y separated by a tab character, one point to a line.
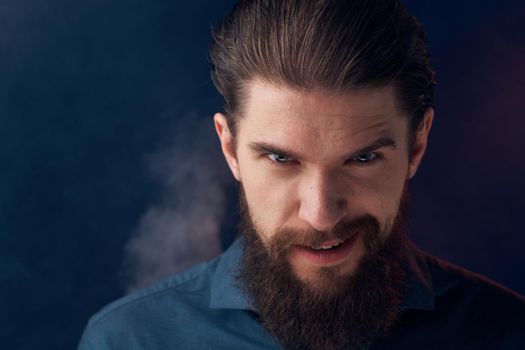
89	89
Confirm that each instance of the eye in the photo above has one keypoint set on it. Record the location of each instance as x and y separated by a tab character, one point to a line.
367	157
278	158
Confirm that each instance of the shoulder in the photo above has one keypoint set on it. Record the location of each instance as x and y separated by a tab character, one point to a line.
147	312
452	280
475	304
190	286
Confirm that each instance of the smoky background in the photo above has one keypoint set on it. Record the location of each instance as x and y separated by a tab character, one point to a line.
111	177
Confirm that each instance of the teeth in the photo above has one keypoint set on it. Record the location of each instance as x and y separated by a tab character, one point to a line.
327	246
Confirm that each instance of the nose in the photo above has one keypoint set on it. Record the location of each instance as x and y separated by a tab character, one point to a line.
322	204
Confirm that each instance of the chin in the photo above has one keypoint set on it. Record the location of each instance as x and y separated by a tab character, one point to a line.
324	282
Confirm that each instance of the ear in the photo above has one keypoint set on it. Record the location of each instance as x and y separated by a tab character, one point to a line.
227	144
420	143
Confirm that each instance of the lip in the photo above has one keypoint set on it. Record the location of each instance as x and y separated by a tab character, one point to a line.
328	257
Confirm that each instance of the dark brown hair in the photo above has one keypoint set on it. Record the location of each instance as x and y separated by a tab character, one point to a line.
334	45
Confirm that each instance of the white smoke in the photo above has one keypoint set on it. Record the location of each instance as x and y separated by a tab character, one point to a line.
182	229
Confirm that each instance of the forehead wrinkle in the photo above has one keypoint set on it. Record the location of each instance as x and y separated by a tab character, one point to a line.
377	125
340	134
320	133
341	121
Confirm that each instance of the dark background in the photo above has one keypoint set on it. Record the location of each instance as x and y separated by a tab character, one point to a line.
89	90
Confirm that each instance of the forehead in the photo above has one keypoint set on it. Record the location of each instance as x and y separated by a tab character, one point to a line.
358	102
318	119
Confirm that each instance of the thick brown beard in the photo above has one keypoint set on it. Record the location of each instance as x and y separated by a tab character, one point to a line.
351	312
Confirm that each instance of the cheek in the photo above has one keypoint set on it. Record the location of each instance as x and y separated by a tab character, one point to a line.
380	194
270	202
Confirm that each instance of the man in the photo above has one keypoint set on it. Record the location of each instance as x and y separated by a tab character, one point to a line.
328	108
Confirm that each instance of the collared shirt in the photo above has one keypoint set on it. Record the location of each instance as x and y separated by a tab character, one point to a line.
444	307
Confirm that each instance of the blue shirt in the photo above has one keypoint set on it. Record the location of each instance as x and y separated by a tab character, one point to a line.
444	307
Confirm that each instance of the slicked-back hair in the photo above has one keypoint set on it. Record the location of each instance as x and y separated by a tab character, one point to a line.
331	45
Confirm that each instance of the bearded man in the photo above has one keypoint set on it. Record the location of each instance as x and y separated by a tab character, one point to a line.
328	108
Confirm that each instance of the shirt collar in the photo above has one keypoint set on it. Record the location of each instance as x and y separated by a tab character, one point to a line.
226	294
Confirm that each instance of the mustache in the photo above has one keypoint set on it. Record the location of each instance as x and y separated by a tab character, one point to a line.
367	225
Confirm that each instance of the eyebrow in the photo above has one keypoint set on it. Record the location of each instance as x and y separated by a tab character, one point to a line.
384	142
264	147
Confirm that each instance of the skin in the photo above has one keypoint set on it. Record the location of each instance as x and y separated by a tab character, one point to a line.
304	160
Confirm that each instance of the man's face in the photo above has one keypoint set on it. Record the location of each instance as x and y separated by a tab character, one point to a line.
310	162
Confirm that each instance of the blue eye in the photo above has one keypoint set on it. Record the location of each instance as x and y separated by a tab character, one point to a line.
366	157
278	158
